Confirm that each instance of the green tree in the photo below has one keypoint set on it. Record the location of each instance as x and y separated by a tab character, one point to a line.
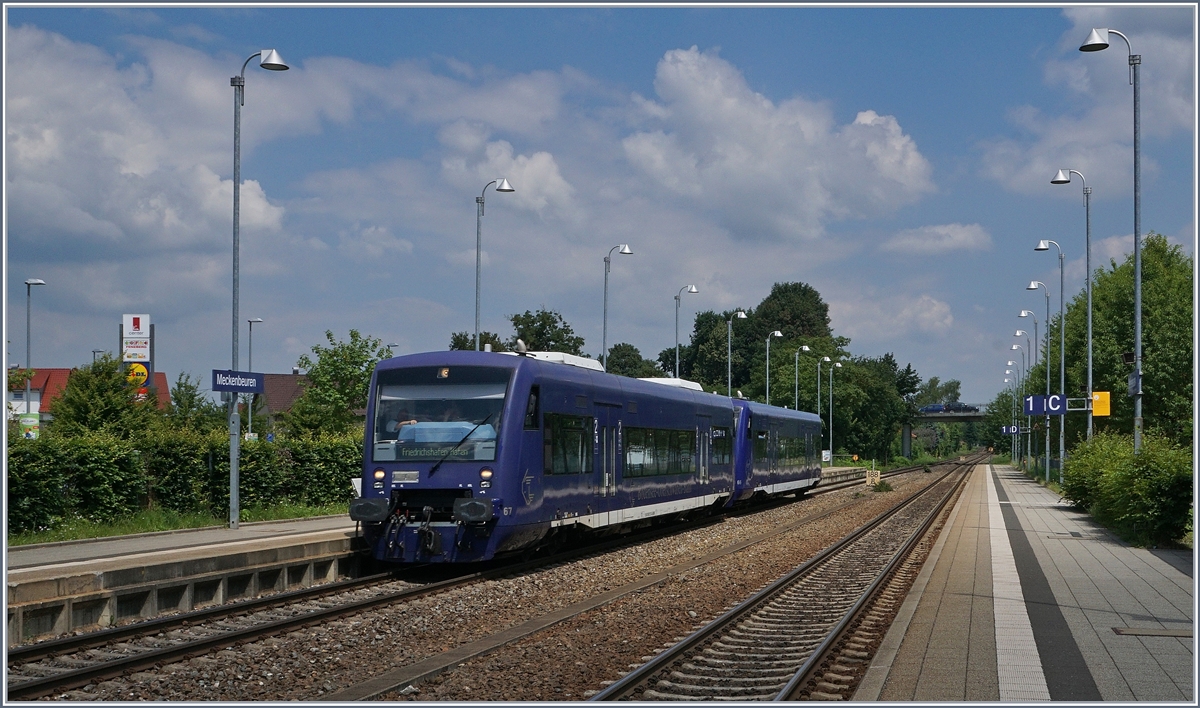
544	331
626	360
1167	343
465	341
934	391
335	395
191	409
98	398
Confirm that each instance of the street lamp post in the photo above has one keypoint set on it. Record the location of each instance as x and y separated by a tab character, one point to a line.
1096	41
838	365
690	289
1033	360
94	353
776	333
739	315
268	59
796	375
1045	358
1021	382
502	187
250	366
1044	245
819	361
28	346
1016	438
1064	177
623	249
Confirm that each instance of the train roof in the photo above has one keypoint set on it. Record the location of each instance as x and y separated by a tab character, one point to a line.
757	408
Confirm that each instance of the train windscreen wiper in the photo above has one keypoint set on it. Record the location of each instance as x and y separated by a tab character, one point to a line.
460	442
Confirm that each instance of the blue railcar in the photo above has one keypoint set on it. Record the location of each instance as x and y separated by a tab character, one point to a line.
470	455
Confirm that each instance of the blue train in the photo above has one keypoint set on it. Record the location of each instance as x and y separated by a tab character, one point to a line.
473	455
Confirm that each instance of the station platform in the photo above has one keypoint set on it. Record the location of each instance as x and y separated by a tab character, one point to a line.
53	588
1024	598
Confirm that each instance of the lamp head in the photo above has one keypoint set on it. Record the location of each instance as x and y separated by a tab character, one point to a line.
271	60
776	333
825	358
1021	333
254	320
740	315
1012	363
804	348
1033	285
35	281
1008	372
504	186
1025	313
1043	245
1015	346
1096	41
838	364
692	289
1007	381
625	249
1063	177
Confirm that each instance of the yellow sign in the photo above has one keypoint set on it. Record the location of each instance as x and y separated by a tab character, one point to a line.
856	458
137	374
1100	405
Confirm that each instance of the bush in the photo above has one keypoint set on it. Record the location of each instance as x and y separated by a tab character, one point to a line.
177	467
37	498
104	476
1145	498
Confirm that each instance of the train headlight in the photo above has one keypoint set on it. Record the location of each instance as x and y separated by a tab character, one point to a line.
380	474
485	473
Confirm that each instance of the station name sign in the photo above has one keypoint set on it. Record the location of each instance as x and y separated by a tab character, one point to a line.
237	381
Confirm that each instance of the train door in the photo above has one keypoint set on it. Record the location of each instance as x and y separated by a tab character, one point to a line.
608	435
703	445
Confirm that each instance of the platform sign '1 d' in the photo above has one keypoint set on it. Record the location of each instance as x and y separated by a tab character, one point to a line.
1010	430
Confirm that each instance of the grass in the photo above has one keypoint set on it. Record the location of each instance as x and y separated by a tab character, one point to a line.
165	520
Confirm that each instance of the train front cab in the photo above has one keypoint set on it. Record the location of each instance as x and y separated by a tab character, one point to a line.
445	433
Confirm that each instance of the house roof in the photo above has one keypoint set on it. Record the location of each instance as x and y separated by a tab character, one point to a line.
281	391
50	383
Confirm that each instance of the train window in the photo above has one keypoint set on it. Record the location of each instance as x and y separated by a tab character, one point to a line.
722	446
654	451
762	448
568	444
531	409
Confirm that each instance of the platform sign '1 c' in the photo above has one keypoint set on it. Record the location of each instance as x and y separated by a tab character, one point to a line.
1054	404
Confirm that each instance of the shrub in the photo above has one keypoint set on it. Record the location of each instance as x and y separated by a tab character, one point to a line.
1146	498
37	498
104	476
176	465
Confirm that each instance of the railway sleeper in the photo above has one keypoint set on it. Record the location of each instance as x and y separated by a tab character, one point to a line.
756	660
693	690
657	696
717	670
777	679
742	645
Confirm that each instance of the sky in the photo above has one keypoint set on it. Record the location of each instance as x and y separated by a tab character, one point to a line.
898	159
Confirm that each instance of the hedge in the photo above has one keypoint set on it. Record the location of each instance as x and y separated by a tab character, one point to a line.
101	477
1146	498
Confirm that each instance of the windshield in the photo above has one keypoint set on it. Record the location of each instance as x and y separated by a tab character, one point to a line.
421	413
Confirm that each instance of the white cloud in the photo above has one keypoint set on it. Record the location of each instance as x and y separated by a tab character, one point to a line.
869	317
372	242
1097	138
934	240
768	170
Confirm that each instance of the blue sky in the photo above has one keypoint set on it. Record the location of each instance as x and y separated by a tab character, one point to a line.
897	159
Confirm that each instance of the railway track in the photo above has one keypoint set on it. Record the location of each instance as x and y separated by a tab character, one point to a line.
60	665
57	666
769	647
